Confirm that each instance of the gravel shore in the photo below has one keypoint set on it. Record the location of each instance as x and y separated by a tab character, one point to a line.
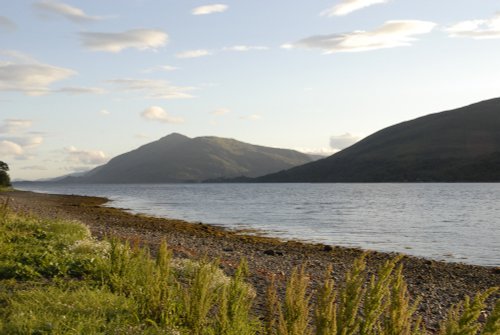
439	284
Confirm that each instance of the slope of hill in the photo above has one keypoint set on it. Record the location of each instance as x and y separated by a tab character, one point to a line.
178	158
451	146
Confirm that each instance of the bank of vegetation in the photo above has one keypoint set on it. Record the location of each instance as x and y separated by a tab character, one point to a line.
55	278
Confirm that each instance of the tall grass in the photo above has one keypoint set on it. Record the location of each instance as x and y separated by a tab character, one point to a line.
56	279
375	306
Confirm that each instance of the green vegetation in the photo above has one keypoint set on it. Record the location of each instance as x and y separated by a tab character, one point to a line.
55	278
4	176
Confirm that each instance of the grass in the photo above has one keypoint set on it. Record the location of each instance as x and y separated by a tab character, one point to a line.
55	278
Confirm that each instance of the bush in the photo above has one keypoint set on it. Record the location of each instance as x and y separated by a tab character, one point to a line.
4	176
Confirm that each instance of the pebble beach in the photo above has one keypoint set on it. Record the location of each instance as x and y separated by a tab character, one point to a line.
438	284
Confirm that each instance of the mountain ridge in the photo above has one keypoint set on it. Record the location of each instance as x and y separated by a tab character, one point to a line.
462	144
178	158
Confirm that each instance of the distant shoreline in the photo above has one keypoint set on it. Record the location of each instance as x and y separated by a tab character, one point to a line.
439	283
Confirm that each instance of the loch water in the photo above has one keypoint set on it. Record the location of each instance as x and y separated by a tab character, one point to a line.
451	222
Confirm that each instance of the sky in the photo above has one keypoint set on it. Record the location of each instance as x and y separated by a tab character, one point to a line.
84	81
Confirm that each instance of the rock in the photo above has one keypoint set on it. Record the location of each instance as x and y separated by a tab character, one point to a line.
269	252
327	248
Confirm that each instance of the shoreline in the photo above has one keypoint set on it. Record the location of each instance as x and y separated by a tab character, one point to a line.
440	284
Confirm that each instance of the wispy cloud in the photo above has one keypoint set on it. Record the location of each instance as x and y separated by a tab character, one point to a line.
164	68
390	35
154	89
339	142
104	112
477	29
28	142
220	111
26	75
142	136
155	113
348	6
16	56
86	157
243	48
12	126
6	24
209	9
204	52
34	167
61	9
140	39
193	53
252	117
81	90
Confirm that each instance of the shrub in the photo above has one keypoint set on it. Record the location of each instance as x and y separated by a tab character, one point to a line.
56	279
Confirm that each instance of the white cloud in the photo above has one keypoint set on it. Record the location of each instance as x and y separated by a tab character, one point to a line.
104	112
154	89
317	151
165	68
168	68
477	29
339	142
243	48
86	157
16	141
141	39
35	167
16	56
30	77
209	9
348	6
8	148
81	90
193	53
29	142
6	24
142	136
12	126
155	113
252	117
390	35
221	111
69	12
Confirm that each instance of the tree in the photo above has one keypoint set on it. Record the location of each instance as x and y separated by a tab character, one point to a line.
4	176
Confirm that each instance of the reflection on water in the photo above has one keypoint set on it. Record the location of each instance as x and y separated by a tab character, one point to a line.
453	222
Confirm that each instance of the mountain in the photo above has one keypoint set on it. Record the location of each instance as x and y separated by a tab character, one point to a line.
461	145
178	158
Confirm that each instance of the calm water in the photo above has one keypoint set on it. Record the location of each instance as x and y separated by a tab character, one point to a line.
453	222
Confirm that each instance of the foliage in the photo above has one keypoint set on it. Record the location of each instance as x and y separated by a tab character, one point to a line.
463	318
378	306
294	316
4	176
56	279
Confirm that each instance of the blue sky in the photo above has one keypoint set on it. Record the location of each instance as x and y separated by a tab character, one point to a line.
84	81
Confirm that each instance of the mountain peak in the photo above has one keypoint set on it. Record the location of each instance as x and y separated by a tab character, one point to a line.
174	136
456	145
178	158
